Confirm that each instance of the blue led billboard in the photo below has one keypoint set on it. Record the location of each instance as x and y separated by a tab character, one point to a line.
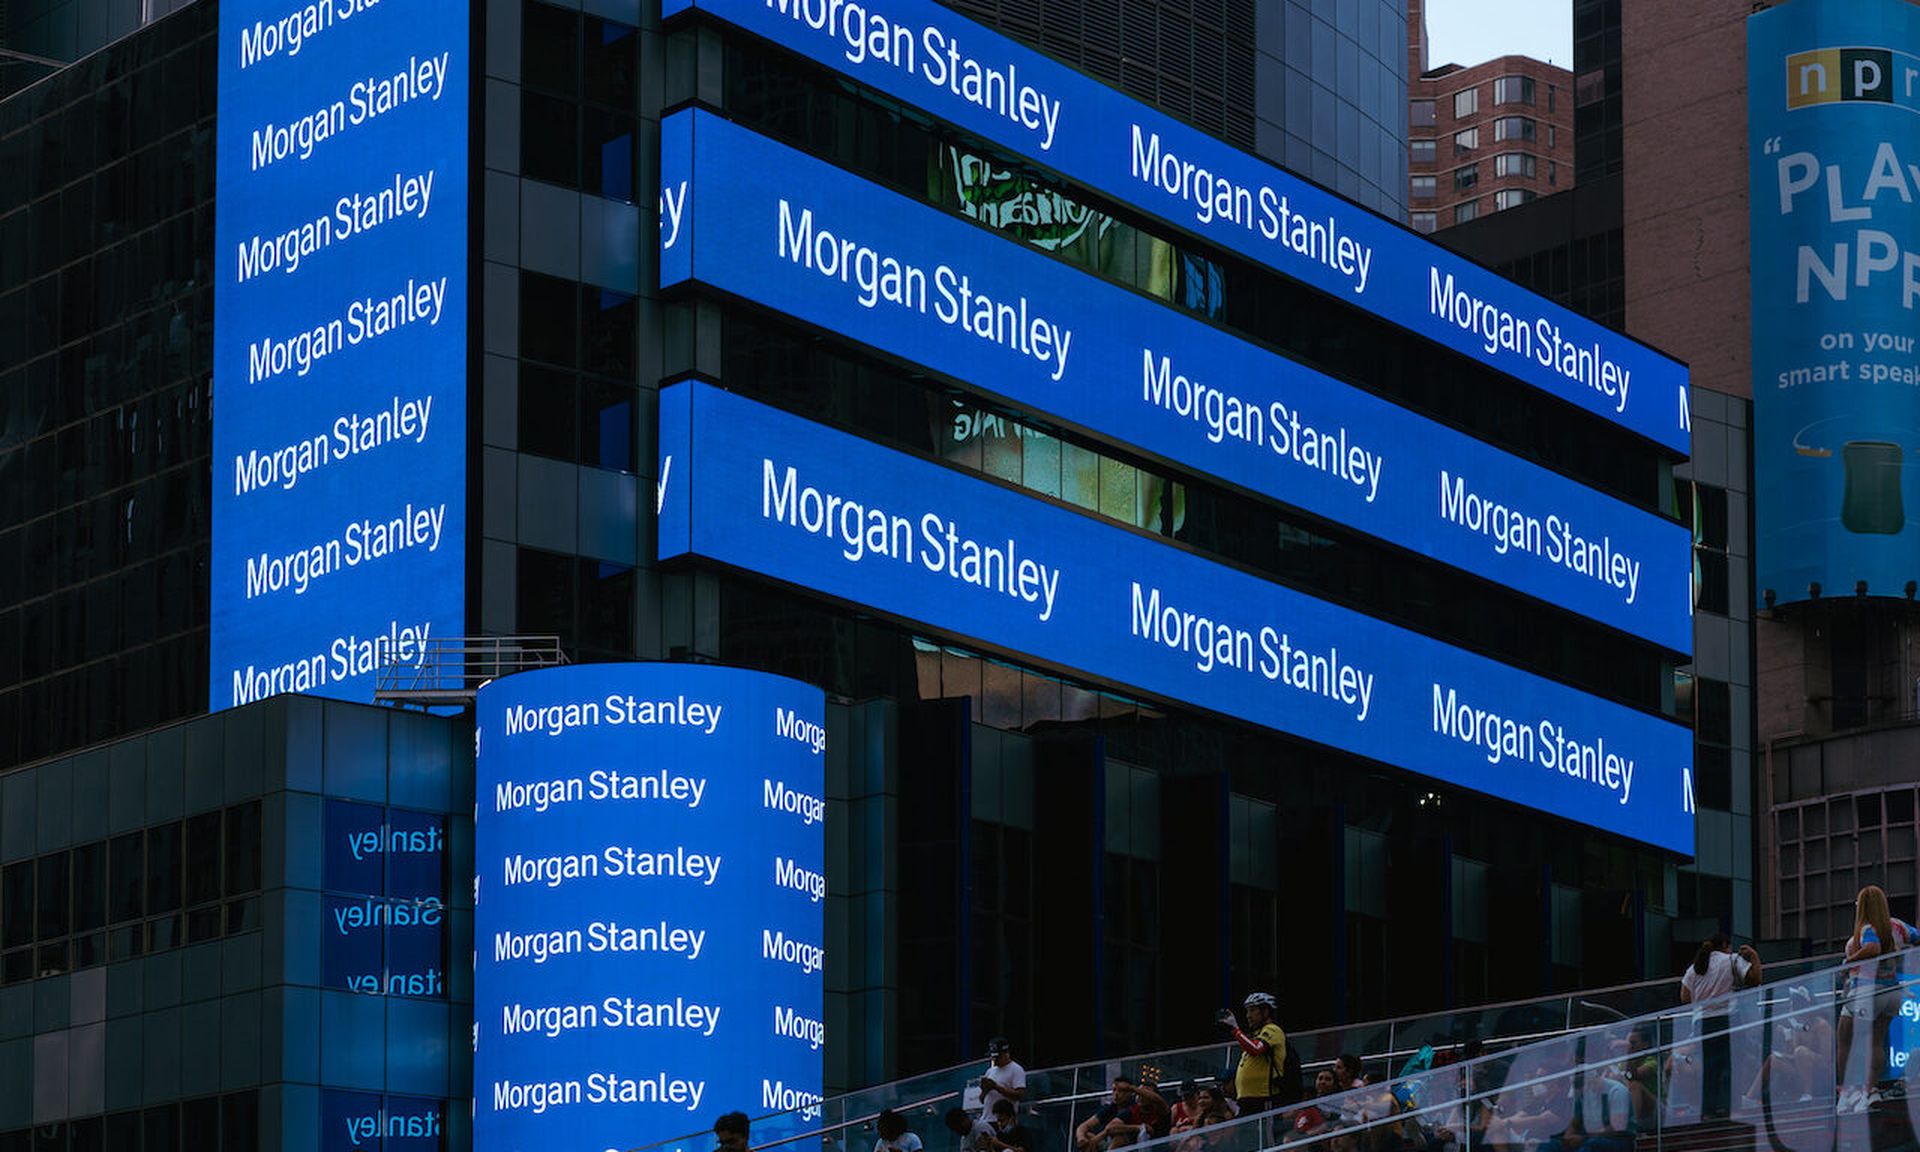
1833	112
758	489
649	920
867	263
339	365
932	58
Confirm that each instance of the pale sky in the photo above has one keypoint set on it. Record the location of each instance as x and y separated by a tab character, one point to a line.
1469	32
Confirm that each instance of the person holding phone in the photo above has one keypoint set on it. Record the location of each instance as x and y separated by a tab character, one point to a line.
1004	1078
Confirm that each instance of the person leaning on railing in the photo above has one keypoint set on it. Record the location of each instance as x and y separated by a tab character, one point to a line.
1717	969
1874	992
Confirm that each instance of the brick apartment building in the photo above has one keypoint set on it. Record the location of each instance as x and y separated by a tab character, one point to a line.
1484	138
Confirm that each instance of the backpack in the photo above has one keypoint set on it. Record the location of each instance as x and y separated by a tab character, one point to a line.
1290	1086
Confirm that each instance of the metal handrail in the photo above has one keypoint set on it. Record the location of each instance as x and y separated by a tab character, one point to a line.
449	670
1372	1092
1397	1048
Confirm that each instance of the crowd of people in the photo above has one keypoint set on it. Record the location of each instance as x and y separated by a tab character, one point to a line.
1526	1102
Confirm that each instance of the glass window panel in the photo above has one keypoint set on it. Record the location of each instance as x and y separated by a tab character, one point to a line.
1590	87
352	859
200	1122
240	1122
548	318
547	412
416	949
243	915
549	48
1513	128
54	914
164	932
351	955
200	879
1513	90
549	139
611	62
1465	103
609	156
1423	151
546	587
16	904
162	1128
1900	807
607	332
607	425
1420	113
242	865
90	886
126	877
126	941
606	606
1513	164
163	868
204	923
87	1135
416	855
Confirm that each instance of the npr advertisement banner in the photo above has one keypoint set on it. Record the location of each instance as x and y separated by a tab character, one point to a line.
649	910
864	262
1834	126
934	59
339	360
764	491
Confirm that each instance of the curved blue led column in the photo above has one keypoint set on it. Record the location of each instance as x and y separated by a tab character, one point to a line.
650	908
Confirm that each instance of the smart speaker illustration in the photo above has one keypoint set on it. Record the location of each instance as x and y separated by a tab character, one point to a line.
1872	472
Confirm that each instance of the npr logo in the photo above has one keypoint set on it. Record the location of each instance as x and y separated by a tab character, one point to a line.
1847	75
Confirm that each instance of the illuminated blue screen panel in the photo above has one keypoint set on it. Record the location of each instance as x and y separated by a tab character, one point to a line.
340	243
961	72
649	921
898	276
1833	113
761	490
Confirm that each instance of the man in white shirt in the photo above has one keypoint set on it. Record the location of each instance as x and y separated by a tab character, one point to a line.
1717	969
1004	1080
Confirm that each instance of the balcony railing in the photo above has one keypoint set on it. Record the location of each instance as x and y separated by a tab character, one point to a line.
451	669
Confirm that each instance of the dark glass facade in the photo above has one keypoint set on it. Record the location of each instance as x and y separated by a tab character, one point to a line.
106	235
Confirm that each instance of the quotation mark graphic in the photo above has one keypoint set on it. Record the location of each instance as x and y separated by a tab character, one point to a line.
1772	146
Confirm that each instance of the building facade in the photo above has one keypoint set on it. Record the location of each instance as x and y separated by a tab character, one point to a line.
244	931
1483	138
971	784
